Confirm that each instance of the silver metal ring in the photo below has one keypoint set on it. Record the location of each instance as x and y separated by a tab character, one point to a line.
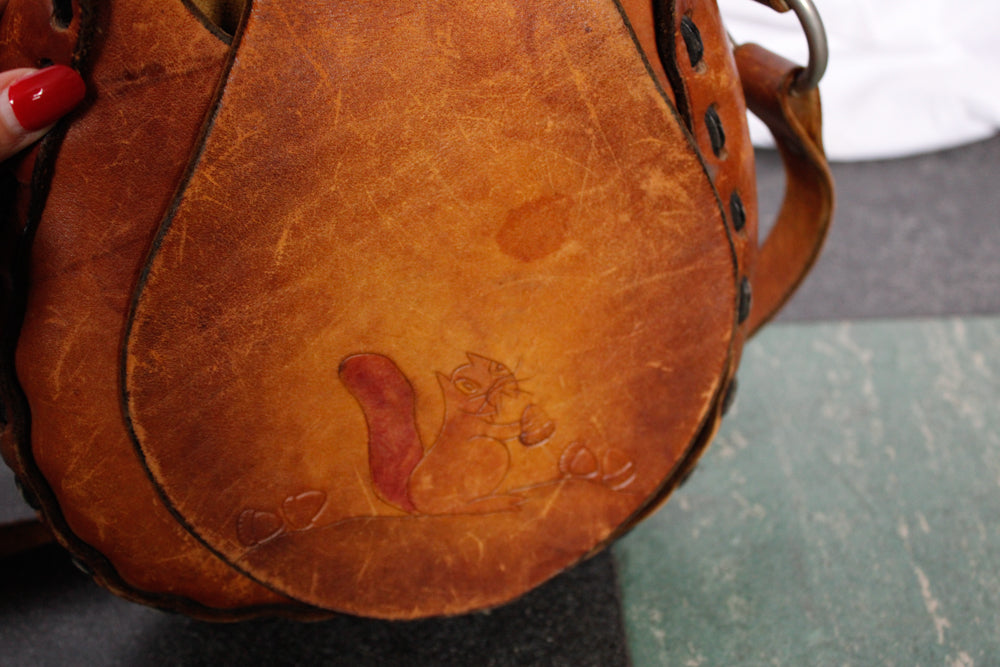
819	49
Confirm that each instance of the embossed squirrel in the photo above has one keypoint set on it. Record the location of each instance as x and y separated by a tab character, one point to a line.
462	471
466	464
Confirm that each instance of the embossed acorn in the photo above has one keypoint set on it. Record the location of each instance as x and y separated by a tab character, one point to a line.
297	512
536	426
255	527
578	461
615	469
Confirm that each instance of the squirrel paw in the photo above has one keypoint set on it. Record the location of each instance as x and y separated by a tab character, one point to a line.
536	426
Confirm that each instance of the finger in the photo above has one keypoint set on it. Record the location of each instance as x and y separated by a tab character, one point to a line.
32	101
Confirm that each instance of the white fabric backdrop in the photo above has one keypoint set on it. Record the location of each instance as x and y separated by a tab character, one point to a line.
905	76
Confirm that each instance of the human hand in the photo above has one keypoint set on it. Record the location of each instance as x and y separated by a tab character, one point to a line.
32	101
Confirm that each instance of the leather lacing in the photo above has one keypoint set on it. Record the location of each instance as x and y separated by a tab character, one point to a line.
695	47
692	40
225	15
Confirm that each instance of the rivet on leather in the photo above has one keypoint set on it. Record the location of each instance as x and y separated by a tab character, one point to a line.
715	132
81	566
746	297
692	40
737	213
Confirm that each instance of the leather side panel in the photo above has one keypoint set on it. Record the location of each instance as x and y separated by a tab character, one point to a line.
155	76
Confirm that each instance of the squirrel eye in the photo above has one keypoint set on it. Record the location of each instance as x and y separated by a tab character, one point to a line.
466	386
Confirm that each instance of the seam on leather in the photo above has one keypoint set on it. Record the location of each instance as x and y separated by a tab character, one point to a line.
213	28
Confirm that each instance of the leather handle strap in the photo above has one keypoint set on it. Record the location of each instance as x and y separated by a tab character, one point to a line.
795	120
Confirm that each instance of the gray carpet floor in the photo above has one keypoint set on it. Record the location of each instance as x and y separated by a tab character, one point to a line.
917	237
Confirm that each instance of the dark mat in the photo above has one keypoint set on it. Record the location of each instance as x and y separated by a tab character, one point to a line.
12	508
50	614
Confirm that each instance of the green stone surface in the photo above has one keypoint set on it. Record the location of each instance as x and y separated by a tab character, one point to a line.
848	512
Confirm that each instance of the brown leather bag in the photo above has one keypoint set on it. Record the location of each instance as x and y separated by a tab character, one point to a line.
395	309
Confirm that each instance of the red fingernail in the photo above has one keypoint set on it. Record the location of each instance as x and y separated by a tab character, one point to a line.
40	99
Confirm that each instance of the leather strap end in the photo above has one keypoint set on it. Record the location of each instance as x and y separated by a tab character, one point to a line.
776	5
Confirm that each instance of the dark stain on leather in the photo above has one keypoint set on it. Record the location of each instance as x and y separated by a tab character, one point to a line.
537	228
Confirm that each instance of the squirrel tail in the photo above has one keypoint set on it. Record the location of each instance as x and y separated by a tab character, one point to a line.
387	400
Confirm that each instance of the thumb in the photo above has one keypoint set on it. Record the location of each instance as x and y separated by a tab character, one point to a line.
32	101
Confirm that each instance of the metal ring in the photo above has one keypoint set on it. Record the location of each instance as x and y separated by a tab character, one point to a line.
819	49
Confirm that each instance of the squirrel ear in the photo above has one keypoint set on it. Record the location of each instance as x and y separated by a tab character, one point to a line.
476	359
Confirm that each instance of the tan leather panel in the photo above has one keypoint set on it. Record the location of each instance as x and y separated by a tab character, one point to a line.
118	168
459	332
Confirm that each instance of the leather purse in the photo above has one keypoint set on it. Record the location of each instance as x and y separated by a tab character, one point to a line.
393	309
